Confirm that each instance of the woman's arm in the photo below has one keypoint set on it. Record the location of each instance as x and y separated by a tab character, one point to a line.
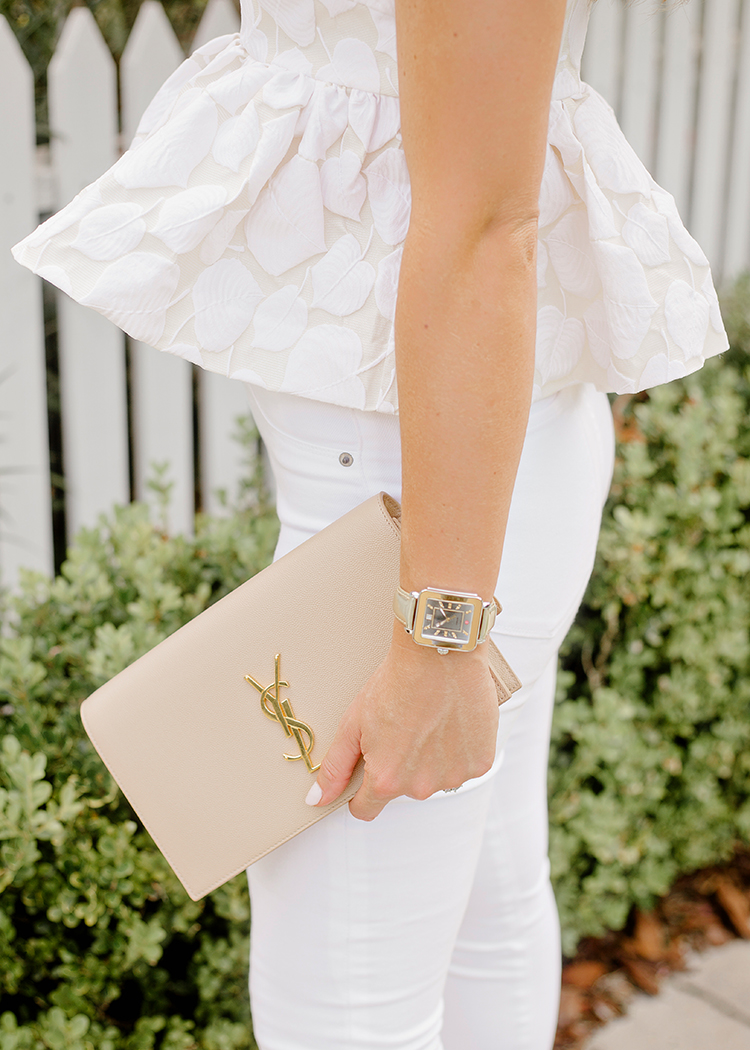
475	80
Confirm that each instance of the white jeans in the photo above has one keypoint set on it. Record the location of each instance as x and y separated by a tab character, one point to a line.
434	926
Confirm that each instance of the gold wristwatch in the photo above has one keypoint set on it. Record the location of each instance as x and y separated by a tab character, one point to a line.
445	620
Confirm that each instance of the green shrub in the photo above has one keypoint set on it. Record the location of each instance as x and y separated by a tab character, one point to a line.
650	770
101	949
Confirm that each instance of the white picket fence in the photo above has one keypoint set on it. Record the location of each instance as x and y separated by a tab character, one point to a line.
678	78
82	88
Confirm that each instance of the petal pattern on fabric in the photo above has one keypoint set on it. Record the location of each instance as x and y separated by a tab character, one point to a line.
275	140
220	237
374	119
285	226
287	89
224	57
225	296
686	244
57	276
618	381
186	218
559	343
687	316
295	60
337	7
714	311
597	330
295	17
81	205
173	152
134	292
247	375
239	86
341	280
161	105
326	357
256	43
628	302
353	65
647	233
325	121
386	283
598	207
236	139
343	185
556	194
110	231
386	27
280	320
659	369
613	160
186	351
389	191
571	255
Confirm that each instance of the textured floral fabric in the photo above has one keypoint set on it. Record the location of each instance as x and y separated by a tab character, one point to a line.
255	226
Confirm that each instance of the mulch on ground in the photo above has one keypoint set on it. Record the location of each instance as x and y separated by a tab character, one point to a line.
702	910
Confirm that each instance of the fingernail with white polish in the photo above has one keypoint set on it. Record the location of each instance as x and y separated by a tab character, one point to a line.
314	795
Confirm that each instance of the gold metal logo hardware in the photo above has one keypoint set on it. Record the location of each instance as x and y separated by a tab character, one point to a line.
281	711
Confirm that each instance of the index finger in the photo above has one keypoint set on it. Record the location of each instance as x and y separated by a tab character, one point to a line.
366	804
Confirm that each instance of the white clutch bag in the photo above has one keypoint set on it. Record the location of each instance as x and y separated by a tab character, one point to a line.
215	734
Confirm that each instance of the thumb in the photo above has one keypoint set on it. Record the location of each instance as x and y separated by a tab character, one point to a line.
338	765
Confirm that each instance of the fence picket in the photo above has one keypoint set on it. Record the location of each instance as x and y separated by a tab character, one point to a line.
83	122
737	250
223	460
712	128
220	17
162	394
642	51
25	495
151	54
221	400
161	385
673	160
601	59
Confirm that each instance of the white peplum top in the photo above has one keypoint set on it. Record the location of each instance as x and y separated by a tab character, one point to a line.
256	223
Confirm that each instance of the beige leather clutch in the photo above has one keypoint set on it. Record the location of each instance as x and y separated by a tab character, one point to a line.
215	734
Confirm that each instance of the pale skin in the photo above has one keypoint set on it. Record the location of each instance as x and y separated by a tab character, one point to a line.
475	81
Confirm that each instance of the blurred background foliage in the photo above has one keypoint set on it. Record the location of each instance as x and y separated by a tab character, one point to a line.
38	24
100	947
650	765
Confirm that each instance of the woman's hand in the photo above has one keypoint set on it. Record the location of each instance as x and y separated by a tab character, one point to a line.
423	722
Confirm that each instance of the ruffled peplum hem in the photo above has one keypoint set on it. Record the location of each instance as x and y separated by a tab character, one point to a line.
255	228
625	294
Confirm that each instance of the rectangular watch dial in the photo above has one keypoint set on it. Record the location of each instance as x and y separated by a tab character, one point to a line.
447	620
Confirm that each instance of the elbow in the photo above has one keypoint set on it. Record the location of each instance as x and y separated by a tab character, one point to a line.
516	235
511	230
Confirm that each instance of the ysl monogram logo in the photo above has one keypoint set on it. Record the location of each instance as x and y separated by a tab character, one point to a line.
281	711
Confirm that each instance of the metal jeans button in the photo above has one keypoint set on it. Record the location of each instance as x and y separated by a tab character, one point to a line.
346	459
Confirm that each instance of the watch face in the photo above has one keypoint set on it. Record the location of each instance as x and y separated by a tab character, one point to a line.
447	621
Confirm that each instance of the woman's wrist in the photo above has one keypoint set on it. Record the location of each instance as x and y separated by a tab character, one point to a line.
428	657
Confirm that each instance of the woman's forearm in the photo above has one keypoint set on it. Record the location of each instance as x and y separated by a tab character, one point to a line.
474	118
465	333
475	80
